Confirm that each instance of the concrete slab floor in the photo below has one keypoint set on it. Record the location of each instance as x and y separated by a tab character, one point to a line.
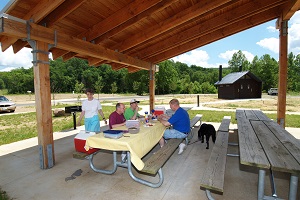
72	178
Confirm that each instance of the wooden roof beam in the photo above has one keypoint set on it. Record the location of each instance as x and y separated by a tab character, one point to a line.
61	11
292	7
56	53
132	69
94	61
218	34
146	13
36	14
117	18
110	26
6	42
68	56
203	28
13	28
116	66
182	17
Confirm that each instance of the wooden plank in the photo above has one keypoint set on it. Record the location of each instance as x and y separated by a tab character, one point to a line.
261	116
250	115
278	156
224	126
152	87
287	139
239	113
251	151
282	74
43	104
170	23
197	118
80	155
157	160
17	29
213	177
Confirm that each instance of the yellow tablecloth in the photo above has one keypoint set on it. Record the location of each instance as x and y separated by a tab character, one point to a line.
138	144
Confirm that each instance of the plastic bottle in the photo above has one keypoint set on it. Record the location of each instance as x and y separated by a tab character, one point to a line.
153	114
146	117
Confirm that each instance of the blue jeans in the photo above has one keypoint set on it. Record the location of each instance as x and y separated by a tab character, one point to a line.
172	133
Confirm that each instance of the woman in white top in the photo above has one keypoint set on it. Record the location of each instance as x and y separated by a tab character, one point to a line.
90	109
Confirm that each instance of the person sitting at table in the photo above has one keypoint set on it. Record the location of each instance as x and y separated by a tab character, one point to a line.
90	109
132	111
117	118
180	121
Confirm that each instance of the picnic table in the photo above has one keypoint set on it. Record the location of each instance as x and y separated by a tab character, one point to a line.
266	145
135	145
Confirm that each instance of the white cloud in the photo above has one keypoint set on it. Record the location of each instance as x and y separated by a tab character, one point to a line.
271	44
195	57
227	55
272	29
296	18
294	34
9	60
7	69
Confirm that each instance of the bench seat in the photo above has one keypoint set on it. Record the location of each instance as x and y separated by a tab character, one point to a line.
213	176
157	160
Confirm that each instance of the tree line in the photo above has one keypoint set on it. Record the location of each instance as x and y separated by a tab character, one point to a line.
172	78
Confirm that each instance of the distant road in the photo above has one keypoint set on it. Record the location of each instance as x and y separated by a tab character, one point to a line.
116	99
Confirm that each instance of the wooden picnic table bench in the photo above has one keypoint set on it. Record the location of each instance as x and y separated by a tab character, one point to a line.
157	160
213	176
266	145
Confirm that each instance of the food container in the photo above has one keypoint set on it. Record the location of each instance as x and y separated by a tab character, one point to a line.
133	130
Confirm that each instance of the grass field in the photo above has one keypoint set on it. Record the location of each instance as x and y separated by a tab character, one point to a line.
22	126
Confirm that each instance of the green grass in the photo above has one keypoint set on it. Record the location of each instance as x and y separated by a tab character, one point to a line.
3	195
217	116
23	126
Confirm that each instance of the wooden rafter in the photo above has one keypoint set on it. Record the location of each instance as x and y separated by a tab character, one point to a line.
17	29
36	14
172	22
206	27
217	35
290	10
122	19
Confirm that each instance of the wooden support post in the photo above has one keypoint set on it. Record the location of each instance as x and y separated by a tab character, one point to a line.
152	87
41	71
282	82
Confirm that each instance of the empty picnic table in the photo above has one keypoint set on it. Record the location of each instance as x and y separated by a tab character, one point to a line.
266	145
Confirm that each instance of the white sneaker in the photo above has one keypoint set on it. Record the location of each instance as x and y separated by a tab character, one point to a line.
181	148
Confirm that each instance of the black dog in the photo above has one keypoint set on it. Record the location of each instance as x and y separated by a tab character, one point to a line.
207	130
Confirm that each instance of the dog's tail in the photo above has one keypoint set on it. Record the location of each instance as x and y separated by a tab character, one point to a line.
213	137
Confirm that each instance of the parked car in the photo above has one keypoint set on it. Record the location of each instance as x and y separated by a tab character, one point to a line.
6	105
273	91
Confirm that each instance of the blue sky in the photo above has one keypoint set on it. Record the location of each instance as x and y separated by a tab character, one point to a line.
260	40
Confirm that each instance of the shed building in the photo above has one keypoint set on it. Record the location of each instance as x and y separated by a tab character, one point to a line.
239	85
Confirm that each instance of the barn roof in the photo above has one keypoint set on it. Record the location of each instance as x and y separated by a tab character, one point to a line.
134	34
233	77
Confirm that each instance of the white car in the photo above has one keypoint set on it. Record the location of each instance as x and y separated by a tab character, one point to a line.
6	105
273	91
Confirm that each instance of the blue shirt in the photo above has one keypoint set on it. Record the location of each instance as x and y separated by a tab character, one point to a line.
180	120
